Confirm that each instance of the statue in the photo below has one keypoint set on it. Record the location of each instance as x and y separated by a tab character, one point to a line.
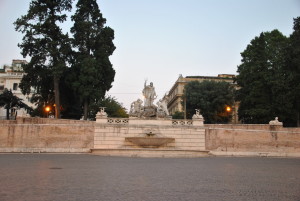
101	113
275	122
136	108
197	115
149	110
162	109
149	94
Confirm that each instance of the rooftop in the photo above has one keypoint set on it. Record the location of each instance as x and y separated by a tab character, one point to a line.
220	76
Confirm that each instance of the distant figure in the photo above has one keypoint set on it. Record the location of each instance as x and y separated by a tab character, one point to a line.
149	94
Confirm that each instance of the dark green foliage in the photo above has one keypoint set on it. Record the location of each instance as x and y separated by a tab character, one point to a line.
293	66
8	100
92	72
42	82
47	46
178	115
211	98
265	84
112	108
70	104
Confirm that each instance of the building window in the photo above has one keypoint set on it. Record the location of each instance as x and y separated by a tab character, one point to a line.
15	86
1	87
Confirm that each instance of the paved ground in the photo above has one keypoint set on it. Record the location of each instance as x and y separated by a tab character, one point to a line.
30	177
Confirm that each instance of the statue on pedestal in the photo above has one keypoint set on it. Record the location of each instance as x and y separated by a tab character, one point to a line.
275	122
197	115
149	94
101	113
149	110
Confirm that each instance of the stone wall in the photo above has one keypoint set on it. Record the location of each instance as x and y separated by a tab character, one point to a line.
51	135
111	137
262	140
46	135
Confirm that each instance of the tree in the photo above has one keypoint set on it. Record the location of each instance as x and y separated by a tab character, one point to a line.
92	71
8	100
43	94
47	46
211	98
293	66
70	107
112	107
263	81
178	115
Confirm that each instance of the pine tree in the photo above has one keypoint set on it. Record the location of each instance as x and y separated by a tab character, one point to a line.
47	46
92	72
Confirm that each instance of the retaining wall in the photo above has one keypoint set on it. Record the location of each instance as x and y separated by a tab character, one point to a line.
51	135
262	140
46	135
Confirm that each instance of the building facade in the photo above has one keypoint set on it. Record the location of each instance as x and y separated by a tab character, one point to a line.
10	78
175	95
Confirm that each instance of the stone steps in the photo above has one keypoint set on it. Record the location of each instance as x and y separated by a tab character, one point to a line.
151	152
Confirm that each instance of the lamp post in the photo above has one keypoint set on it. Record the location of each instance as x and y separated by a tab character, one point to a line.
184	107
47	110
228	108
232	110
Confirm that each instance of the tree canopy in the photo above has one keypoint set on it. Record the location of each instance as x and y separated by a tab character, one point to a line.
178	115
47	46
8	100
112	107
77	67
92	72
265	85
292	65
211	98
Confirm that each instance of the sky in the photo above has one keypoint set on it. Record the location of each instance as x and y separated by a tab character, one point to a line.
157	40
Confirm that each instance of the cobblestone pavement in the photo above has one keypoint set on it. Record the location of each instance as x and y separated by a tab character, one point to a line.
83	177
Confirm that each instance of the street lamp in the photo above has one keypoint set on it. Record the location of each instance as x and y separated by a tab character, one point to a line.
47	110
228	108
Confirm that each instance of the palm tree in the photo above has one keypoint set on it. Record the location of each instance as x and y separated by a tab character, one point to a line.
8	100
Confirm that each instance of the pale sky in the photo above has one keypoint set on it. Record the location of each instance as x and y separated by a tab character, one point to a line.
159	39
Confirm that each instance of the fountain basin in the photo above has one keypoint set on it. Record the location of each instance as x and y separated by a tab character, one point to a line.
149	141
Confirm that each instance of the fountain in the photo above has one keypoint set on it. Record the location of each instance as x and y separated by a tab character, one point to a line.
149	140
149	131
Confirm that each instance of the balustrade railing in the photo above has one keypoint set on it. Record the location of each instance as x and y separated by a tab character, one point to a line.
174	122
182	122
117	121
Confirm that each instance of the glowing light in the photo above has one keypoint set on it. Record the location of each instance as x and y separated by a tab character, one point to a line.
228	109
47	109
